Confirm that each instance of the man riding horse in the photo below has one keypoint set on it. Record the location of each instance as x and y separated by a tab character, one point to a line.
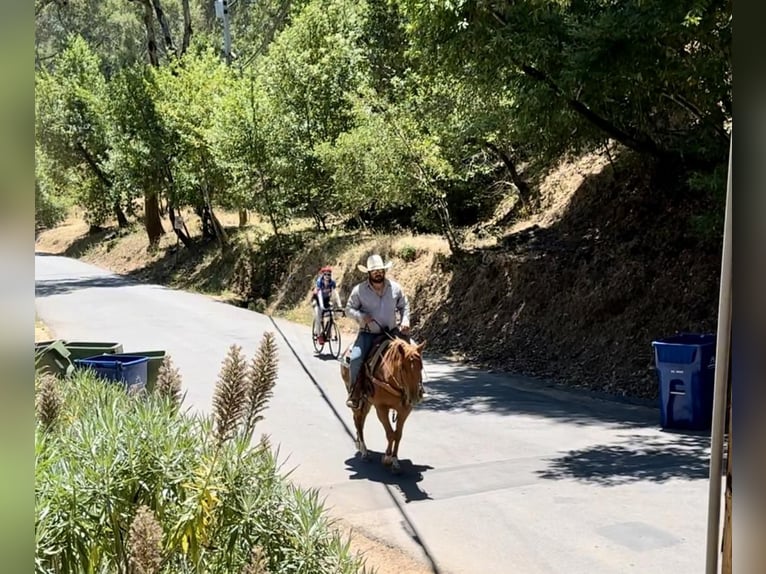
374	304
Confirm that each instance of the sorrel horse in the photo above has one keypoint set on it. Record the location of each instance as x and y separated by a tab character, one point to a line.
393	383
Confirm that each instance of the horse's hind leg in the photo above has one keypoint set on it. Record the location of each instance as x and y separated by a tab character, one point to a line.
360	415
382	413
401	417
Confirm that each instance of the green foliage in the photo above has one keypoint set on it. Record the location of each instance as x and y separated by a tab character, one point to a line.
140	142
111	454
708	225
425	111
638	71
71	128
408	253
312	70
51	197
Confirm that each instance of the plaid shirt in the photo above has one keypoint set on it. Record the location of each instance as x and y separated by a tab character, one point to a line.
365	301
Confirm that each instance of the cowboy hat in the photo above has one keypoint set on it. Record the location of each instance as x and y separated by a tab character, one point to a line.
374	263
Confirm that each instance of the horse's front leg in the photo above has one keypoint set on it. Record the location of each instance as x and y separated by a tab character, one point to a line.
360	415
382	413
401	417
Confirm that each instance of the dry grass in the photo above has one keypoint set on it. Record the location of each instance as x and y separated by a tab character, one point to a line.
62	237
555	193
378	554
127	252
344	253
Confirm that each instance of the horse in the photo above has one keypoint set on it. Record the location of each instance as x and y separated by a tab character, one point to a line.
391	380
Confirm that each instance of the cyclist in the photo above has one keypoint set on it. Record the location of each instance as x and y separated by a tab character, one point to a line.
324	294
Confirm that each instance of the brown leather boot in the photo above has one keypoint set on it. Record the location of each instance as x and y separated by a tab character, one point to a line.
352	401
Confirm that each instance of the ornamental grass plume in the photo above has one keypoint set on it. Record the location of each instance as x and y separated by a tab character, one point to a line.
261	378
169	381
48	400
258	563
145	542
230	395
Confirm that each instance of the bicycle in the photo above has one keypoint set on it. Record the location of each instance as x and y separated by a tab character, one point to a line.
330	332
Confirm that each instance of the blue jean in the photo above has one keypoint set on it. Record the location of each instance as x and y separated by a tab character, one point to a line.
360	350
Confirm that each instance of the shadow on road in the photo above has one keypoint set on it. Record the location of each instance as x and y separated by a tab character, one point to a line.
638	458
463	389
326	357
48	287
374	471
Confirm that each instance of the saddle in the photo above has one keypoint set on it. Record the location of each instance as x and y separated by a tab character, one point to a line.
365	386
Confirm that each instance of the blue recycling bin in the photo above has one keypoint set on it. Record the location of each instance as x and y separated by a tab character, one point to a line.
685	365
129	370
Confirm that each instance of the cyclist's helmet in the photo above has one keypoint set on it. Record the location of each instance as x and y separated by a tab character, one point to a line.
326	270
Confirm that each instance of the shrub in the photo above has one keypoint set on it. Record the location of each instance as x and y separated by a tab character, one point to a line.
130	483
408	253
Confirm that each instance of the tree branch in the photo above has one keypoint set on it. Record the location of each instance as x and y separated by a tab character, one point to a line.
91	161
520	184
640	143
696	112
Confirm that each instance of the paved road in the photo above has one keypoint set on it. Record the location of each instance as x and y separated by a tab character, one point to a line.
500	474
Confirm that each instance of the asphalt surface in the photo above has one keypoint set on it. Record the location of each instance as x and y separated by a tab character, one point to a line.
500	474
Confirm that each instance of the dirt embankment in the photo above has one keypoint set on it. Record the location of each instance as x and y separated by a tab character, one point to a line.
580	298
576	292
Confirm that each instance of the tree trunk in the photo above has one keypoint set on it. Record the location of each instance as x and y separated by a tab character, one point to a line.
163	21
152	221
151	38
243	216
122	220
220	232
187	27
182	232
266	189
447	229
521	185
204	217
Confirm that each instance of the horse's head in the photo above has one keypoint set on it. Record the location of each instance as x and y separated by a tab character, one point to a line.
407	362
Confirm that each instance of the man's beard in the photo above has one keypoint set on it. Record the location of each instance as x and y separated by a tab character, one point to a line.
377	278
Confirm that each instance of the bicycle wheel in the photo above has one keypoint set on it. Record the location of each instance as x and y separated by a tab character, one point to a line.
334	340
317	347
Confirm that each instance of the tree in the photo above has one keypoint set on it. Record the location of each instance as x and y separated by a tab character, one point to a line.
72	129
140	155
189	93
241	143
308	75
652	75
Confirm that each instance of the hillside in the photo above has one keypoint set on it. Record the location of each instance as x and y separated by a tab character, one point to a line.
611	257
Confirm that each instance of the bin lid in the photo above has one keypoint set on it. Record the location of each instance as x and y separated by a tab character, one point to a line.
124	360
697	339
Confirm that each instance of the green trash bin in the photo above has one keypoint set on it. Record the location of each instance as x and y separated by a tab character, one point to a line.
85	349
53	357
152	367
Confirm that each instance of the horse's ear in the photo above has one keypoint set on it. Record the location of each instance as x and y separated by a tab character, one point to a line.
422	346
